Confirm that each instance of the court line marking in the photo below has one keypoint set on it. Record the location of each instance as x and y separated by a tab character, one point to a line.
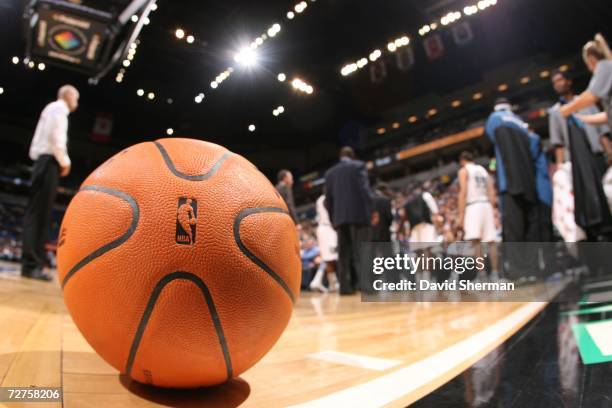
392	387
597	285
354	360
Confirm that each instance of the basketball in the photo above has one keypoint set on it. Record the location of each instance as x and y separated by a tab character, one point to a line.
179	263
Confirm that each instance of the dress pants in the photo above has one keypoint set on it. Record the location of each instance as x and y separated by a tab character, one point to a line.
352	257
37	217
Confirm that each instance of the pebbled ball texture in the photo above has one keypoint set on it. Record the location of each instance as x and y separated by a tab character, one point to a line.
179	263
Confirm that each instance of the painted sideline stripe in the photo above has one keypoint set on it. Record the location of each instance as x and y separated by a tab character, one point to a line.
392	387
597	285
354	360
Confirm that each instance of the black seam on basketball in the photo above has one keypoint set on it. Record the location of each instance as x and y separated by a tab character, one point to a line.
238	220
113	244
151	305
200	177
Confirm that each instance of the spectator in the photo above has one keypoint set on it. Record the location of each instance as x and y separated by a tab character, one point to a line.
310	260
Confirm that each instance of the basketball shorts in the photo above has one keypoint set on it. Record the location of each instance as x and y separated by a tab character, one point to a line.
479	222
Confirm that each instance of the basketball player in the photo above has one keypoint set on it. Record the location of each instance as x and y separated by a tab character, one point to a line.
477	201
51	161
582	145
328	245
420	211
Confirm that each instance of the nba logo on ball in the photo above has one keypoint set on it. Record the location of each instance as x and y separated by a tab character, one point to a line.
186	221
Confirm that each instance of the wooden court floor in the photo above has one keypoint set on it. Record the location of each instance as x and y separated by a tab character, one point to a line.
335	352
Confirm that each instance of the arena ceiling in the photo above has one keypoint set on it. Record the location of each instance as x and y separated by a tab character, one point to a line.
313	46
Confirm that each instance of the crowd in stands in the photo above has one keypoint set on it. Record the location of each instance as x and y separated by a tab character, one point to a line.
11	220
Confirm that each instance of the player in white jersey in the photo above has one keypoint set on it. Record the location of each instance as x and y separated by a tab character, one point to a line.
476	209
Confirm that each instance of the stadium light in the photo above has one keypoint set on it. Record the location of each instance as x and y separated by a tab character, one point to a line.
252	127
169	131
281	77
290	15
15	60
151	96
246	57
1	90
179	33
140	92
41	66
190	39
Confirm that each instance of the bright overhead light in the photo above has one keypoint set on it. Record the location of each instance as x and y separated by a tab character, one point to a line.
374	55
251	127
179	33
281	109
140	92
391	47
1	90
154	7
190	39
126	63
169	131
214	84
31	64
151	96
275	112
41	66
290	15
134	18
15	60
246	57
147	21
281	77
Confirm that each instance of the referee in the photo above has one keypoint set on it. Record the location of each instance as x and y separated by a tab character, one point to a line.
51	161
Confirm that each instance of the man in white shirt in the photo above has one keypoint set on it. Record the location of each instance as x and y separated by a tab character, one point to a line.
51	161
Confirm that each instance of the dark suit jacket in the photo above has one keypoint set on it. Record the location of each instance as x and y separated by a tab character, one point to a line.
285	192
347	193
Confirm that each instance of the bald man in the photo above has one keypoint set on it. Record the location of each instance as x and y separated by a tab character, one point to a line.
51	161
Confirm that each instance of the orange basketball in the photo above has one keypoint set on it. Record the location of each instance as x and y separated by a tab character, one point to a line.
179	263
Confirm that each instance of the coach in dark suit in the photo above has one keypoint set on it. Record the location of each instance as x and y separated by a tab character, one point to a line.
349	203
285	189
